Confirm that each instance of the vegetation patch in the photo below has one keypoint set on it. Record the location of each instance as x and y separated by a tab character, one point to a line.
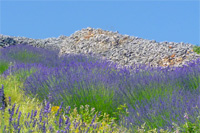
79	93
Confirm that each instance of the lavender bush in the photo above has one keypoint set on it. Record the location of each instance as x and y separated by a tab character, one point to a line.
78	83
154	96
166	102
51	119
23	53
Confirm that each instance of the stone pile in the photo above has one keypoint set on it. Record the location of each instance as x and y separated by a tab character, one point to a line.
128	50
122	49
49	43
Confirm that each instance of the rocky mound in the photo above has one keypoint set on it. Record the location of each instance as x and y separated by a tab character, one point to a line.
123	49
128	50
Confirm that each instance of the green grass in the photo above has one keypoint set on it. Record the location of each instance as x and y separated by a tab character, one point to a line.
25	56
3	66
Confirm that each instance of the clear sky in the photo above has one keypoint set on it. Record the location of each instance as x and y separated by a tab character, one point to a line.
172	21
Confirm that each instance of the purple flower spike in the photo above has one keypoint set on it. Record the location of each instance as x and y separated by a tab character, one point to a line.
66	122
87	130
13	109
61	105
2	98
93	120
60	121
67	127
1	91
31	114
46	109
50	128
40	118
99	113
59	109
9	111
28	115
44	128
34	122
19	130
9	101
4	128
17	110
95	126
77	124
35	113
19	118
10	119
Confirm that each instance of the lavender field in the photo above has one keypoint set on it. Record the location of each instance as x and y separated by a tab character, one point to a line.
42	92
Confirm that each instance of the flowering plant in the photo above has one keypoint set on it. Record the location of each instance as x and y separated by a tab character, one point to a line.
55	109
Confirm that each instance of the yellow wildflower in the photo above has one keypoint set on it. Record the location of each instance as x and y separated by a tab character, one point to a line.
55	108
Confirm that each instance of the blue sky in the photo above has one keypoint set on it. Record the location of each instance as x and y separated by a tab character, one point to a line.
172	21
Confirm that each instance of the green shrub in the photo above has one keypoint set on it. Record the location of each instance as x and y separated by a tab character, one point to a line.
196	49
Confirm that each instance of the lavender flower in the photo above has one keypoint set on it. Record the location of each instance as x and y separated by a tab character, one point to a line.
40	116
67	126
93	120
2	98
44	128
31	114
9	101
59	109
34	122
77	124
15	126
13	109
18	118
4	128
95	126
46	109
60	121
66	122
26	124
17	110
35	113
19	130
99	114
50	128
87	130
28	115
